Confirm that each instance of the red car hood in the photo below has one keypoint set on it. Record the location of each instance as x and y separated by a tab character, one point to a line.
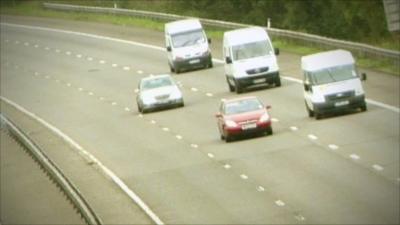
247	116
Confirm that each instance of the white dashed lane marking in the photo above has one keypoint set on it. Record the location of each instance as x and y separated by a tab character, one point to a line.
47	48
89	58
114	65
299	217
126	68
260	188
179	137
193	89
377	167
139	72
153	122
244	176
80	89
58	50
312	137
194	145
91	93
101	98
68	53
275	120
26	43
333	147
210	155
68	84
293	128
227	166
279	203
113	103
354	156
127	109
166	129
102	61
78	56
209	94
36	46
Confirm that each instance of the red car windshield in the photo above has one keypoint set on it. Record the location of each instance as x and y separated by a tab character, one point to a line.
242	106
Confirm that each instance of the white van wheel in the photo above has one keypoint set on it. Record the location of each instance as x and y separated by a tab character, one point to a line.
309	111
238	88
231	88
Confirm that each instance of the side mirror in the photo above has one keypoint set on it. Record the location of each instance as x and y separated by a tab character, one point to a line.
136	91
209	40
228	60
276	51
363	76
218	115
169	48
268	107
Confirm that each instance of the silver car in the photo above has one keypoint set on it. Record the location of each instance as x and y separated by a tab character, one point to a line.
157	92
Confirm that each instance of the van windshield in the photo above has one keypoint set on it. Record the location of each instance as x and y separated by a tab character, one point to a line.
251	50
333	74
188	38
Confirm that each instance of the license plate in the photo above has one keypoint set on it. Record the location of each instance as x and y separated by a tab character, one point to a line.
257	81
249	126
341	103
162	101
194	61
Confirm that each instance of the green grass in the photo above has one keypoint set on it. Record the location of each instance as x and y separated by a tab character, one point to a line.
34	8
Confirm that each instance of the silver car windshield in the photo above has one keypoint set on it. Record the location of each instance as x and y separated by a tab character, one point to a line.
156	83
242	106
188	38
334	74
251	50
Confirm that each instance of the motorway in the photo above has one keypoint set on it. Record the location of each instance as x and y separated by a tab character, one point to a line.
32	198
341	169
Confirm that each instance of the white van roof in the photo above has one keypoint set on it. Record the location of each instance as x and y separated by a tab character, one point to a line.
245	35
182	26
327	59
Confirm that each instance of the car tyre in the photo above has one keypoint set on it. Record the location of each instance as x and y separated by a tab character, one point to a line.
228	139
309	111
364	107
231	88
278	82
139	108
269	130
210	64
318	115
238	88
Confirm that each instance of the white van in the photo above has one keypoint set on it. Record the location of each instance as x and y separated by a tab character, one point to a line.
187	45
332	83
249	59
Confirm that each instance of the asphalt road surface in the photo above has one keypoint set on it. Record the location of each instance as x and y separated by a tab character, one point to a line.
340	169
27	194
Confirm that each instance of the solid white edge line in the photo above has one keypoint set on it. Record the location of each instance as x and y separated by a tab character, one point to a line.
107	171
370	101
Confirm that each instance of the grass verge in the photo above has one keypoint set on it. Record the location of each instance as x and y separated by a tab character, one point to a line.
34	8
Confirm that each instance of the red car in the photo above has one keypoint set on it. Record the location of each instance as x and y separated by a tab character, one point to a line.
241	116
